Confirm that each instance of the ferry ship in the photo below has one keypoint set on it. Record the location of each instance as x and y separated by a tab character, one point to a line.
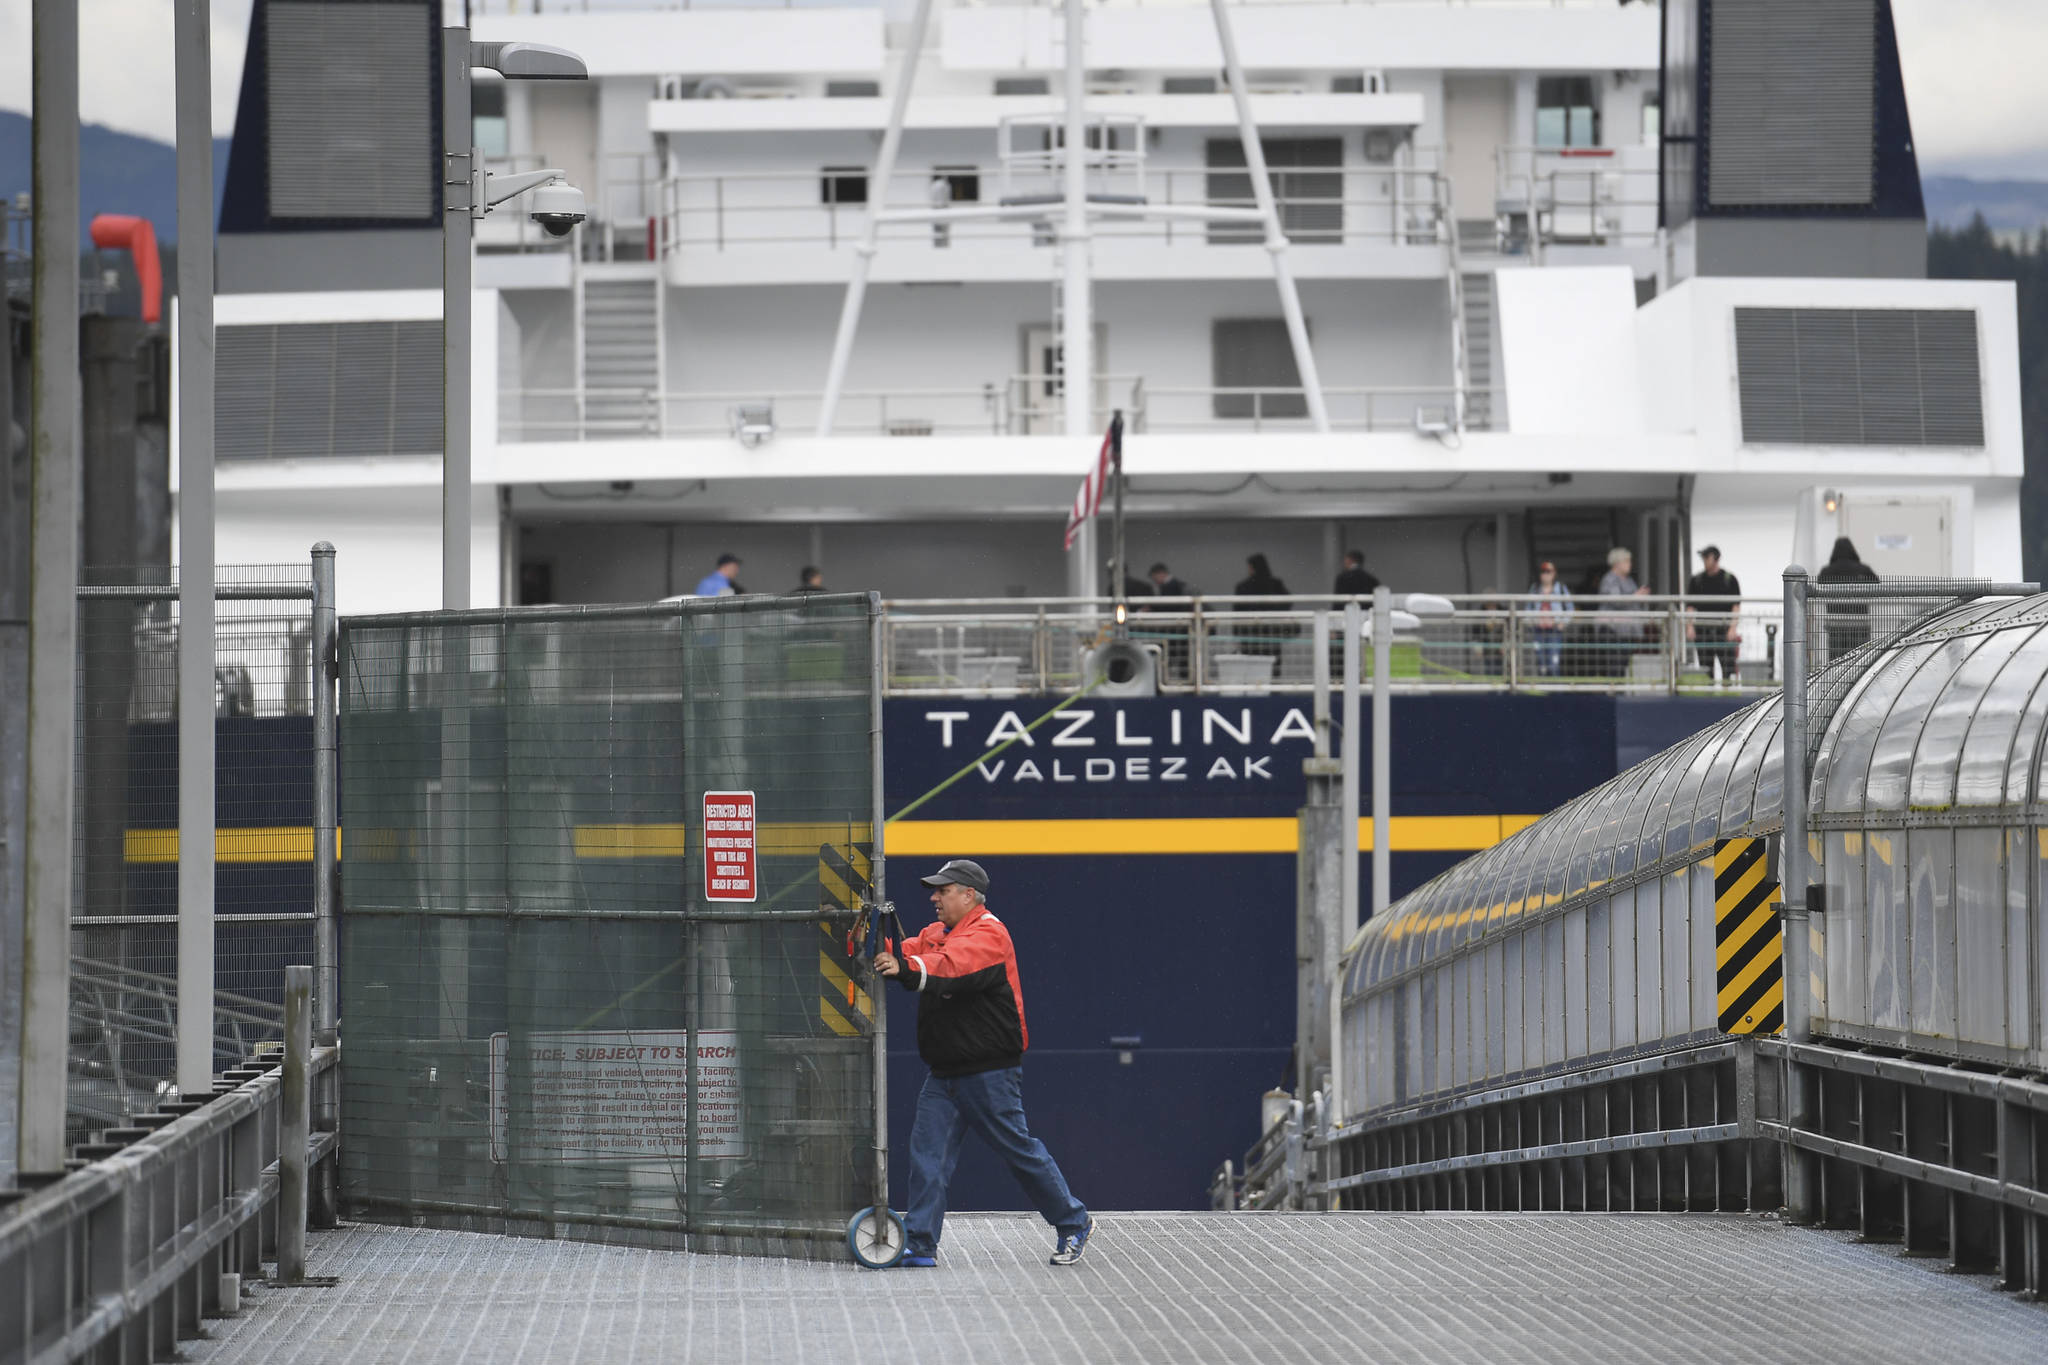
1572	275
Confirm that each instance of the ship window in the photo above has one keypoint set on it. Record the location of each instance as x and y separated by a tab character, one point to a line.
1253	365
852	90
1566	115
1308	187
843	185
1859	376
1653	119
1188	85
964	181
1022	85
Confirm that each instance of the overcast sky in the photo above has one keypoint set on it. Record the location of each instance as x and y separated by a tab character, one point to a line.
1973	74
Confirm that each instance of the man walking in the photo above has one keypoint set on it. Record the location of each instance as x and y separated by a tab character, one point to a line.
970	1032
719	582
1713	628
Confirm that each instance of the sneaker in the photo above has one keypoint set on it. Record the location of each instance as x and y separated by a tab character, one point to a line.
1070	1248
919	1262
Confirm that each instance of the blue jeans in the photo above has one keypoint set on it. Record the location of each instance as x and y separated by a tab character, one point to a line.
1548	644
991	1103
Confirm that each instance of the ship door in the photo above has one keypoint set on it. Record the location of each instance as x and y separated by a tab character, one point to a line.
1901	536
1476	121
1038	393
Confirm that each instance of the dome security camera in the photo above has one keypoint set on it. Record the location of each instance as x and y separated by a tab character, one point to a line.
558	208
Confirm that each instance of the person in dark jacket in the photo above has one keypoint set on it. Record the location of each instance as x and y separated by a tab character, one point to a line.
1261	582
971	1033
1714	627
1848	622
811	579
1355	580
1165	583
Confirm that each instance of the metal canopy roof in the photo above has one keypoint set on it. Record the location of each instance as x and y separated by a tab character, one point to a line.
1941	725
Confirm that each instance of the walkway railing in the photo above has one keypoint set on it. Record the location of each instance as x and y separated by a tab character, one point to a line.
156	1225
1945	1160
1468	642
1357	205
1015	405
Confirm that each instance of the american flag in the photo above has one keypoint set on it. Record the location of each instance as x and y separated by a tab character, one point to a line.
1089	498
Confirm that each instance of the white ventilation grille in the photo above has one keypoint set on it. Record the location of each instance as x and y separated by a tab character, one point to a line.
351	110
1859	376
310	390
1791	102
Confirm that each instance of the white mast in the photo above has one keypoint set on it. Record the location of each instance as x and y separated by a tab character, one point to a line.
1077	334
1077	326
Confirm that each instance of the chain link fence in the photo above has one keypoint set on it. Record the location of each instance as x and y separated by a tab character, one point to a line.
601	866
126	840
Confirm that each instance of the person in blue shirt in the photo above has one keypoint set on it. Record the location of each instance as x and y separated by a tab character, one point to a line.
719	582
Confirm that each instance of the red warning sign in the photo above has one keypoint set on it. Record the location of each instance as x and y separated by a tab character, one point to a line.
729	847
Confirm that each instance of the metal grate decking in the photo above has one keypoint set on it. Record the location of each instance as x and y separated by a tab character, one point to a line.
1155	1287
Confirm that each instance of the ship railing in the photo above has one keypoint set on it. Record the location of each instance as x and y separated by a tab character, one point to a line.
1232	645
1323	206
1016	405
1575	196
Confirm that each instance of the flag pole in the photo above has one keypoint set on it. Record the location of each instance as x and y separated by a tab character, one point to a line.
1116	459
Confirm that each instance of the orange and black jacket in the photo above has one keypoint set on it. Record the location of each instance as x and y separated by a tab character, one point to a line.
970	1008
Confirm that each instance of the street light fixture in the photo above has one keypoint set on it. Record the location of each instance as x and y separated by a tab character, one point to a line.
468	193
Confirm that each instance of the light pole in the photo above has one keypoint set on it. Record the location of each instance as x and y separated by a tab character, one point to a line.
467	194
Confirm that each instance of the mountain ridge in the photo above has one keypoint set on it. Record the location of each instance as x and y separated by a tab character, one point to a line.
118	173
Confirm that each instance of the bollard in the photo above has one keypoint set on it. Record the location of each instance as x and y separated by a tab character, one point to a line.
294	1123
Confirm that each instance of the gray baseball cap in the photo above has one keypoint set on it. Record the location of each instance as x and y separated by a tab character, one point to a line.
959	872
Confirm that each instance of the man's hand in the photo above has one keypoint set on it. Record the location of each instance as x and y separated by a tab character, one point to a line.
887	965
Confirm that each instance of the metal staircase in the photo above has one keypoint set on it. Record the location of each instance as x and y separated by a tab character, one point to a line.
1575	538
1476	319
620	358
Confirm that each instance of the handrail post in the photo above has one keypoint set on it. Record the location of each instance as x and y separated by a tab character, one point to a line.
294	1125
1041	650
1349	750
1674	642
1511	639
326	666
1382	746
1793	874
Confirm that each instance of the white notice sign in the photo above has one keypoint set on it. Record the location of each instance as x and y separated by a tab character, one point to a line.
616	1095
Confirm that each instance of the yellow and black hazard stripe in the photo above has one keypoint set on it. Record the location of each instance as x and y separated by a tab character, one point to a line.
1749	940
844	881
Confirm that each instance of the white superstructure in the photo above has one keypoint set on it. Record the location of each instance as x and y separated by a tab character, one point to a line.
1518	363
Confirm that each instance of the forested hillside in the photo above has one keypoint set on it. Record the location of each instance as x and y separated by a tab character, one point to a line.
1974	253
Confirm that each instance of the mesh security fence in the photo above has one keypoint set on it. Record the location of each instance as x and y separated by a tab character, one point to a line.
126	827
599	870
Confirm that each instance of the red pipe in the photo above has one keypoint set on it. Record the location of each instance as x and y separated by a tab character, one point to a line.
119	230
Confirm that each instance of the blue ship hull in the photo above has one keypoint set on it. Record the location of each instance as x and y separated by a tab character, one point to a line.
1192	953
